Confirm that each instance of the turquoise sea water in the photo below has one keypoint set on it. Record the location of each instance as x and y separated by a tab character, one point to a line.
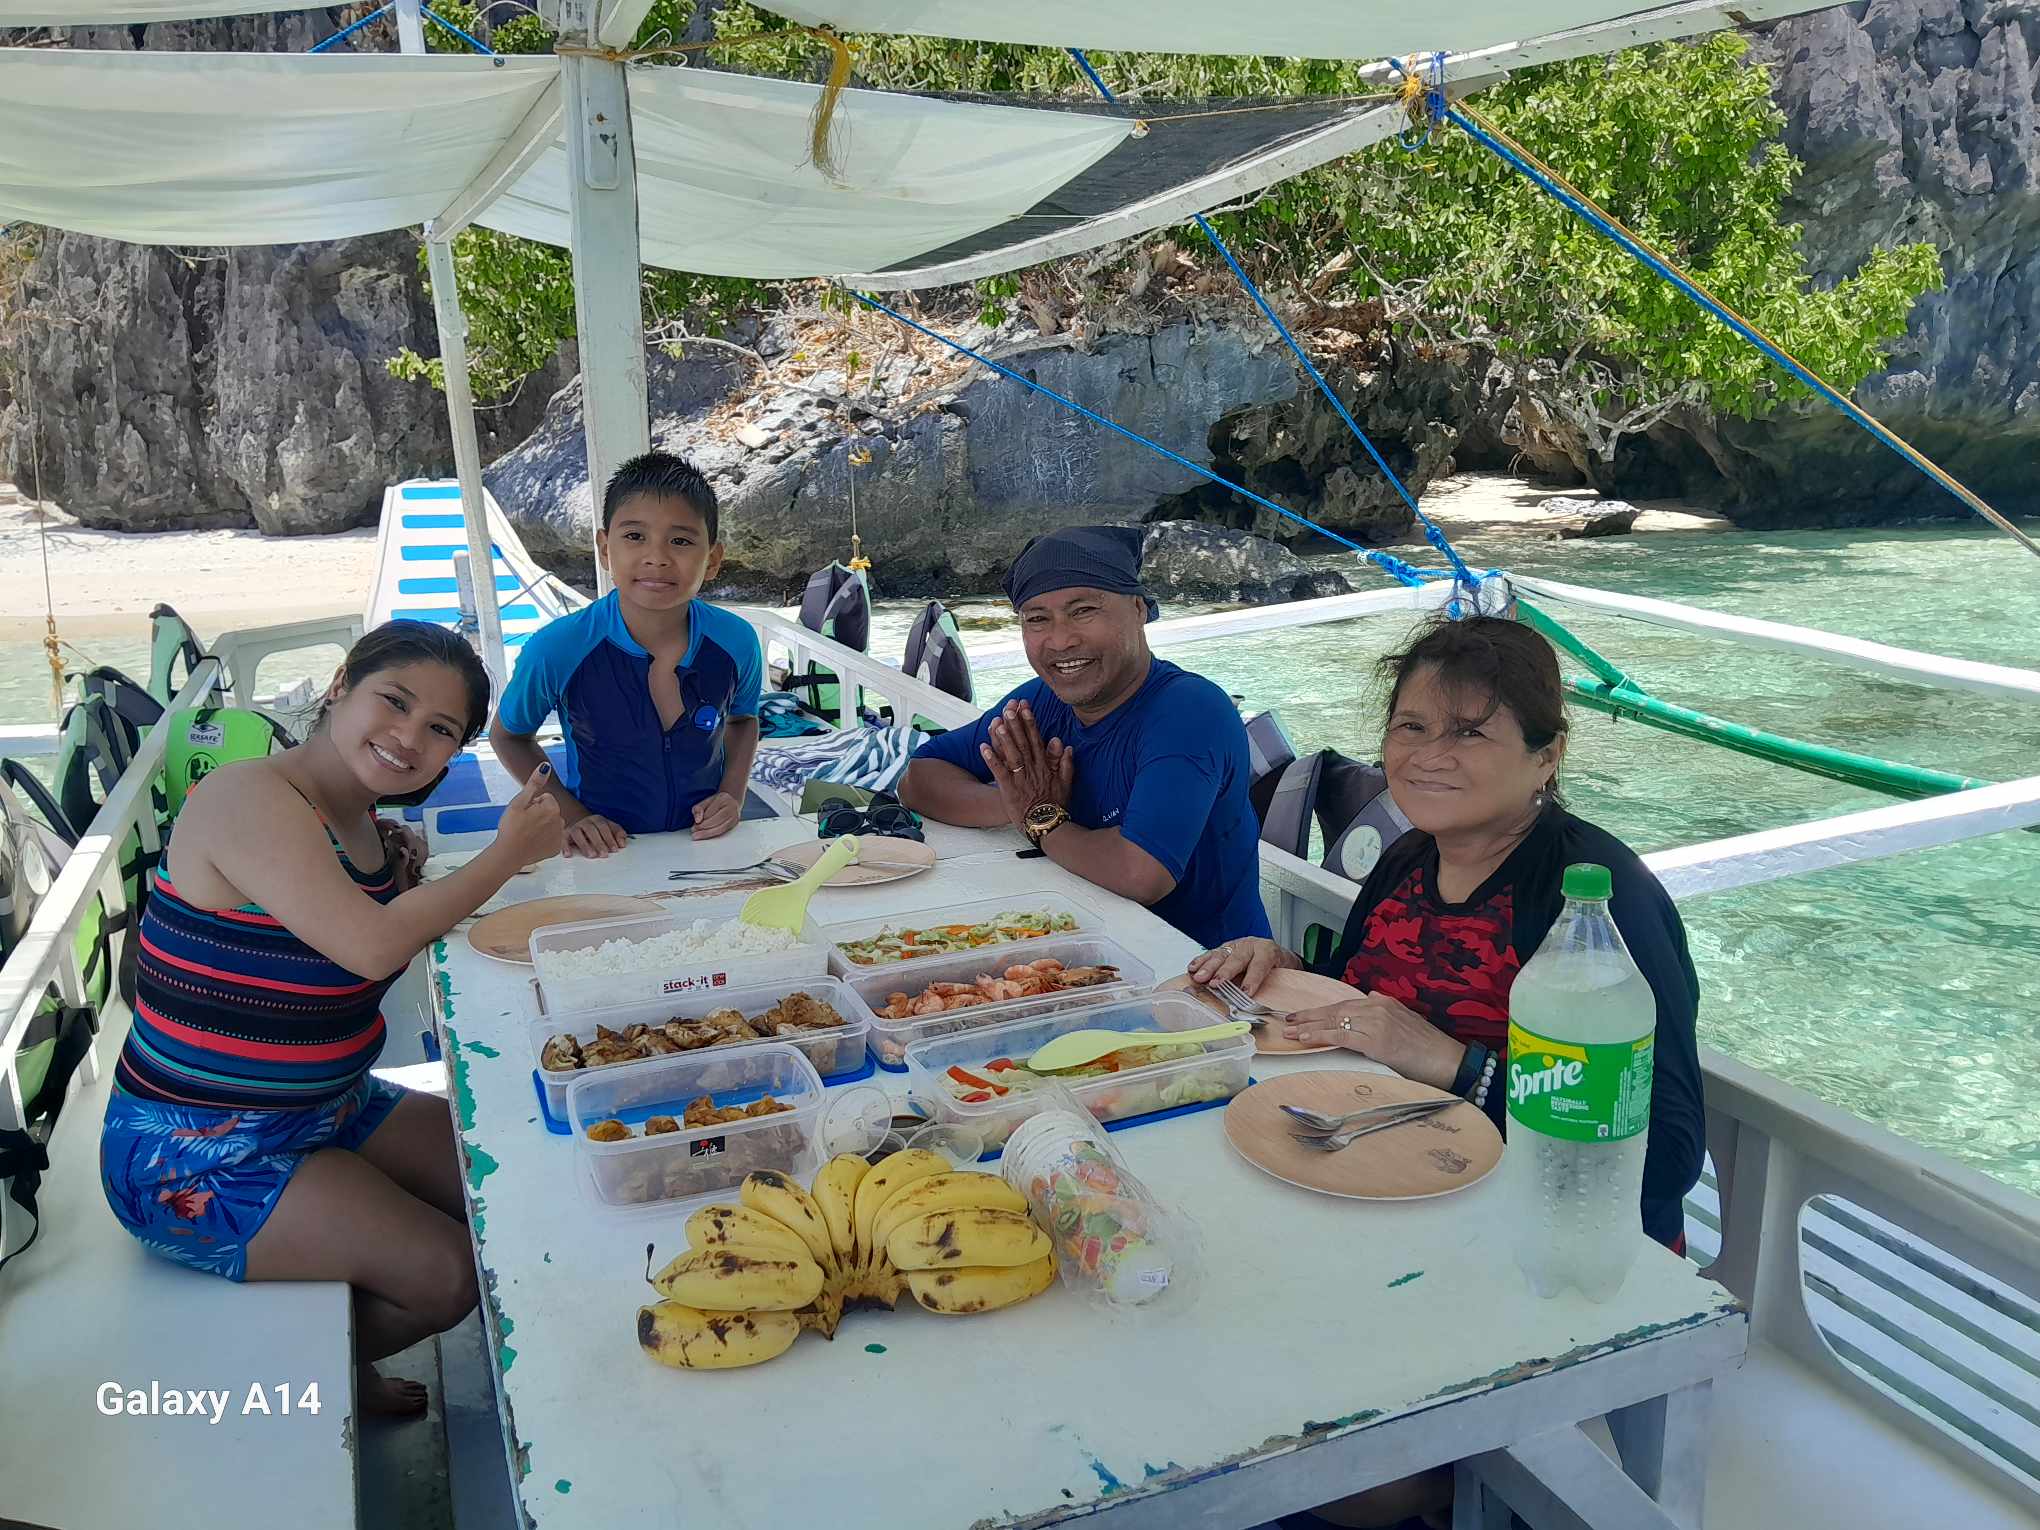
1905	990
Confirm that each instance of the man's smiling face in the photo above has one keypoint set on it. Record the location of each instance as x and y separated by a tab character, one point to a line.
1089	645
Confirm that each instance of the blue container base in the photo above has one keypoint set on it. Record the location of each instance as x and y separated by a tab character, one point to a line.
560	1128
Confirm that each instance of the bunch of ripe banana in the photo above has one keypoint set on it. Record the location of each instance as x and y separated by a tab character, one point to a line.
783	1259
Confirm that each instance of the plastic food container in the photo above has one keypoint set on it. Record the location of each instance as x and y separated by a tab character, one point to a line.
696	1161
890	1038
833	1053
1218	1072
564	992
840	963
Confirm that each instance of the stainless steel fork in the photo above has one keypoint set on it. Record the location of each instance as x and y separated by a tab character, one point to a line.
1242	1004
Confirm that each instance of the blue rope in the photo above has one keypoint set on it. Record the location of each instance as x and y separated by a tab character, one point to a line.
479	47
1711	305
1388	562
349	30
1432	533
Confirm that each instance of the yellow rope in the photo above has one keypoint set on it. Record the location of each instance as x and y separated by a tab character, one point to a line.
859	456
824	148
52	649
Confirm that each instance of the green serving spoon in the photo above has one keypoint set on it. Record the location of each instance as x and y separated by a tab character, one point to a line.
1080	1047
785	908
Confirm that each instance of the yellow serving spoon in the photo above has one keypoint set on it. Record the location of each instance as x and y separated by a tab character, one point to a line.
785	908
1080	1047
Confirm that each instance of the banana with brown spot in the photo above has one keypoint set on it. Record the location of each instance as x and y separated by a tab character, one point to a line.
963	1293
945	1192
687	1338
772	1194
966	1238
892	1175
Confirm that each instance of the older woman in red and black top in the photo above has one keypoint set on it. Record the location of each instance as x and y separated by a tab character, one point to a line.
1453	909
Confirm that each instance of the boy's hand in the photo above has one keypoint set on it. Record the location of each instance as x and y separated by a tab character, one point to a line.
594	836
716	816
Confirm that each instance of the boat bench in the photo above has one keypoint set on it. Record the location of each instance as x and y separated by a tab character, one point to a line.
86	1313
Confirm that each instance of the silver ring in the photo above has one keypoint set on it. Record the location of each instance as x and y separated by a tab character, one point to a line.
1345	1025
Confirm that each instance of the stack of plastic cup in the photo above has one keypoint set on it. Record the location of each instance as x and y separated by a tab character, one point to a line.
1111	1236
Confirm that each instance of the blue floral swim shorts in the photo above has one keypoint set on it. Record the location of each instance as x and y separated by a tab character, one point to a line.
195	1184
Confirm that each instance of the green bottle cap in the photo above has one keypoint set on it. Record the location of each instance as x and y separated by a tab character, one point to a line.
1588	881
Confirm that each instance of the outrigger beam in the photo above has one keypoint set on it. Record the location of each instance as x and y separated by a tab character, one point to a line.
1893	779
1613	692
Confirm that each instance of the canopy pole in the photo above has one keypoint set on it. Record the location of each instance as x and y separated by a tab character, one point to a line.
467	455
460	409
410	26
603	224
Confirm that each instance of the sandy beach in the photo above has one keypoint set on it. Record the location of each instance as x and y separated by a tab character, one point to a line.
104	582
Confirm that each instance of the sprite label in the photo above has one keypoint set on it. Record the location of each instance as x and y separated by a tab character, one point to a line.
1580	1091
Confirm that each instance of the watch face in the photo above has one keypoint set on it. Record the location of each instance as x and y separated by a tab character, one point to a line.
1042	814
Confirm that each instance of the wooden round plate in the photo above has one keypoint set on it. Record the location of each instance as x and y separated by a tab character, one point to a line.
883	858
1285	992
1434	1156
505	936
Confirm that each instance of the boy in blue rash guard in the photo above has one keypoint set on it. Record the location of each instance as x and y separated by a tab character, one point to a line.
1117	765
656	690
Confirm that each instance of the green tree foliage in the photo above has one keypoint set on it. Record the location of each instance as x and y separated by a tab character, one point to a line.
518	294
1678	141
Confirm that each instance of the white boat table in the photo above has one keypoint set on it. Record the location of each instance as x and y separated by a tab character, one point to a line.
1326	1345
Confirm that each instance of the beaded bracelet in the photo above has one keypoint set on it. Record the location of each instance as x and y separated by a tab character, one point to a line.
1487	1077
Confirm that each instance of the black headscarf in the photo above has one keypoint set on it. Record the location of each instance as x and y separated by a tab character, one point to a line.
1080	557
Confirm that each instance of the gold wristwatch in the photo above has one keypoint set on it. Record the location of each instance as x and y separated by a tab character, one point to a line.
1042	820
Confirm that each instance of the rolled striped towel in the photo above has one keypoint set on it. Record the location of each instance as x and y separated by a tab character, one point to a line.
868	756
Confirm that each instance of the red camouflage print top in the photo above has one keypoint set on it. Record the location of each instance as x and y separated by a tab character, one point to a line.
1452	965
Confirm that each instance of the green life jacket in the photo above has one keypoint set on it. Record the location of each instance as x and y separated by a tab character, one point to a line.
58	1035
203	739
171	641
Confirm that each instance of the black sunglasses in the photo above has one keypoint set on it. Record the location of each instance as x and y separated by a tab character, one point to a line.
884	818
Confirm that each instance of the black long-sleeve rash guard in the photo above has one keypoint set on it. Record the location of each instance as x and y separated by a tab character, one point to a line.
1454	963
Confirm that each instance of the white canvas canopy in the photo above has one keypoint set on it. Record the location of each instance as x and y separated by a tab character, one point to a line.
225	149
724	186
1367	29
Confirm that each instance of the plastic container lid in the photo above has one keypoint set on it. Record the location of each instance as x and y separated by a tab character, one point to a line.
1587	880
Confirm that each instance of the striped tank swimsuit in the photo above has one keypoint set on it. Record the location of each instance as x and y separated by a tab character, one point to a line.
232	1011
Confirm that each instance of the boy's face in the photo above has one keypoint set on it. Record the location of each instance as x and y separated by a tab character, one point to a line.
657	552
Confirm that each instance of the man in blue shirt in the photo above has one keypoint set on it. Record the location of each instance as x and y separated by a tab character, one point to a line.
656	690
1117	765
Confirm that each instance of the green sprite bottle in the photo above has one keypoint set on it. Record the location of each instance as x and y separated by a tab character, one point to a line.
1582	1031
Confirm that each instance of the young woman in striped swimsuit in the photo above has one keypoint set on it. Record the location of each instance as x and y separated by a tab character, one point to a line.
245	1135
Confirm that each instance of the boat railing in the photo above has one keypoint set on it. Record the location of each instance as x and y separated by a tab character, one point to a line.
48	952
1900	1276
243	651
865	678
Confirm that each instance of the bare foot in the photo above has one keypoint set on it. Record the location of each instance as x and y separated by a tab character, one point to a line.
383	1396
